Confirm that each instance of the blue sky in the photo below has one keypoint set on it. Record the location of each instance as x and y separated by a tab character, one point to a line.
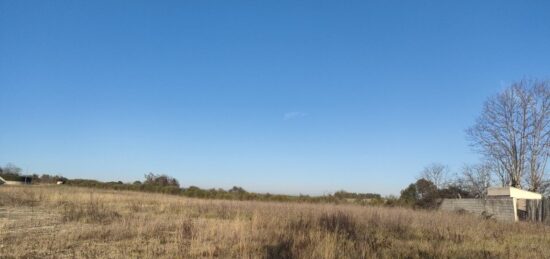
274	96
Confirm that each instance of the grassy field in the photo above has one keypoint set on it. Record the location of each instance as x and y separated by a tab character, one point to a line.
60	221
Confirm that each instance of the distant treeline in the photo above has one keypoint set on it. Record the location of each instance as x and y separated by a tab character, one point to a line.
421	194
10	172
159	183
353	195
168	185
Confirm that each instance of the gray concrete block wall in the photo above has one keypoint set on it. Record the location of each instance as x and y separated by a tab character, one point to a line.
500	208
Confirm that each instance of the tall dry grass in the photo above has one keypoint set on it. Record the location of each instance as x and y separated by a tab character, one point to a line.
58	221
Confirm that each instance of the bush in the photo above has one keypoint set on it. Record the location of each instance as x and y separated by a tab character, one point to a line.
340	223
160	180
421	194
90	212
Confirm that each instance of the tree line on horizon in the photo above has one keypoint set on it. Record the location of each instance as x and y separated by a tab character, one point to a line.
11	172
161	183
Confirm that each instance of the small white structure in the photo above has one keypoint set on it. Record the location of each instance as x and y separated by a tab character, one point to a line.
6	182
59	182
518	196
502	203
513	192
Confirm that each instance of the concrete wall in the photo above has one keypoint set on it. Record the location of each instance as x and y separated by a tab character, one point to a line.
6	182
521	204
500	208
13	183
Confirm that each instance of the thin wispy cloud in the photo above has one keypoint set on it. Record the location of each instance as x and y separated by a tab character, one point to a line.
294	115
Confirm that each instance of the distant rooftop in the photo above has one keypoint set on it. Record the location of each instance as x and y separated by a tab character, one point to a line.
513	193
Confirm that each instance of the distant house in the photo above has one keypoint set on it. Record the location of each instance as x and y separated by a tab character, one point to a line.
520	199
502	203
15	180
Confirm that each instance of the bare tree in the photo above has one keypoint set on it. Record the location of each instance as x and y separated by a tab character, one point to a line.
11	169
513	132
545	188
476	179
436	173
539	138
503	178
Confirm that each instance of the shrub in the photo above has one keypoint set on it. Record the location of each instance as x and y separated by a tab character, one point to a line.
160	180
90	212
339	223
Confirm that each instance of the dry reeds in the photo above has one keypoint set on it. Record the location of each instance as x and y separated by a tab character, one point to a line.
60	221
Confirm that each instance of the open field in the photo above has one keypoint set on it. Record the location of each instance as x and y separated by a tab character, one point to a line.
60	221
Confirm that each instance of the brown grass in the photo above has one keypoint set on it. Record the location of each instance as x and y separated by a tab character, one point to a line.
59	221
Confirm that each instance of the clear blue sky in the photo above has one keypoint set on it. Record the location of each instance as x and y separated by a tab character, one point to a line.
278	96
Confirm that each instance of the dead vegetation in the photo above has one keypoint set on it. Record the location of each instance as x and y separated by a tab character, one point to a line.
58	221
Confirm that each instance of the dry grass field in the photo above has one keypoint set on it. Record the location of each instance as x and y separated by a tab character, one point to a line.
70	222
